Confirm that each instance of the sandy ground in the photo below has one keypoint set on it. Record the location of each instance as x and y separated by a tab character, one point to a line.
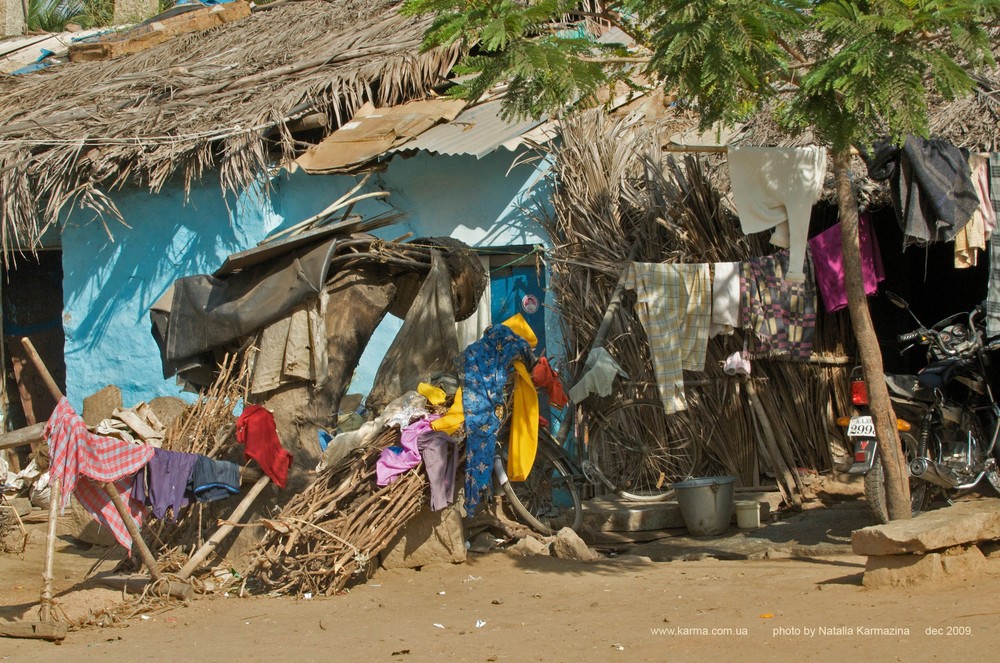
497	607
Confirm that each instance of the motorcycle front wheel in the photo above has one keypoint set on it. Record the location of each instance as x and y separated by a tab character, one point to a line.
920	495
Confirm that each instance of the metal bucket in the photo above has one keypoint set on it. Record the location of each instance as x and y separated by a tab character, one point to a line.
706	504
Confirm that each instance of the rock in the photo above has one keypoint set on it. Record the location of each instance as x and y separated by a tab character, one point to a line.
167	408
528	547
959	524
431	537
80	525
568	545
905	570
21	505
101	405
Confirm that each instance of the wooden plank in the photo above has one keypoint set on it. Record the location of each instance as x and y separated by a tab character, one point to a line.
22	436
136	585
156	32
53	631
209	546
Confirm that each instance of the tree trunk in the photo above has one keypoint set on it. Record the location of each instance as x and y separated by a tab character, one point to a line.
897	485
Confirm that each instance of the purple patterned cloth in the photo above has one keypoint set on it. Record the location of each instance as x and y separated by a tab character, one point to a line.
780	312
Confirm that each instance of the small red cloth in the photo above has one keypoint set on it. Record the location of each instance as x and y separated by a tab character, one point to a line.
255	430
545	377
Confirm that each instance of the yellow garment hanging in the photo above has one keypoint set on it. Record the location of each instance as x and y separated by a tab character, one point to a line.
453	419
523	425
520	326
524	412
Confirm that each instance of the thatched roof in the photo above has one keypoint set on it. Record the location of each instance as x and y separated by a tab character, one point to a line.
215	99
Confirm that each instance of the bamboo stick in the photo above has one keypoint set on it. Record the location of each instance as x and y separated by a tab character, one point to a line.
133	530
780	467
50	384
45	600
202	554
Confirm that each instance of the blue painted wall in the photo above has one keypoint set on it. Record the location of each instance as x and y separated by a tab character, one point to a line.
109	285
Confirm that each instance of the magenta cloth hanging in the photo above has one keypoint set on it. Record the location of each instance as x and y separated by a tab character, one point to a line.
828	261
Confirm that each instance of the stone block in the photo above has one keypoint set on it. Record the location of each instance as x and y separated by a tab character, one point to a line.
956	525
12	19
615	514
101	405
79	524
431	537
906	570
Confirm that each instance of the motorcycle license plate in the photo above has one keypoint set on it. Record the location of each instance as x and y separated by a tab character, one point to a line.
861	427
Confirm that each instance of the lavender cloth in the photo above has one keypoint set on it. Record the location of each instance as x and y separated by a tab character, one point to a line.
164	482
828	263
440	456
394	461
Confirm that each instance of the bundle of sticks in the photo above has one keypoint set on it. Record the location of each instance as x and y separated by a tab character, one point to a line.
332	532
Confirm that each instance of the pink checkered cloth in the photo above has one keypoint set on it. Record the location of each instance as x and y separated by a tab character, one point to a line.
75	452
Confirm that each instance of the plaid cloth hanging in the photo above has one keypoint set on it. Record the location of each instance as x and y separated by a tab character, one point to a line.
82	461
780	312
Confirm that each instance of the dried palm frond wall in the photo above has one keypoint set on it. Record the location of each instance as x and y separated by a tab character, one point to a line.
613	188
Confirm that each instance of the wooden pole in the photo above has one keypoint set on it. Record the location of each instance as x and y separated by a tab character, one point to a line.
22	436
42	370
206	549
133	529
55	490
55	497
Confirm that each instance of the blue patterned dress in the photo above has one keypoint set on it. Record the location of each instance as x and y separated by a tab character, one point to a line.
486	366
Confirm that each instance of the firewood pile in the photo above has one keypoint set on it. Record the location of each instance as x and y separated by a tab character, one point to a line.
332	532
208	428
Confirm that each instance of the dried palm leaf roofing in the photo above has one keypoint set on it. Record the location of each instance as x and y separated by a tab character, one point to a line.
216	99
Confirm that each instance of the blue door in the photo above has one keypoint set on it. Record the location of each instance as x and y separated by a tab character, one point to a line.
519	290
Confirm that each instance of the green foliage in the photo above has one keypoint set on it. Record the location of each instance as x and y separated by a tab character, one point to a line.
876	69
511	42
723	55
852	70
53	15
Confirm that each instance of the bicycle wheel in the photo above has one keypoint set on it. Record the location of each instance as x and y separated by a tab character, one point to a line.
549	498
641	450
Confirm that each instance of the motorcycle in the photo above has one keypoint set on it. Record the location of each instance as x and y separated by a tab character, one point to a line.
947	418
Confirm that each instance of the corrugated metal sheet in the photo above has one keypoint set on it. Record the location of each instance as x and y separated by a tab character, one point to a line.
477	131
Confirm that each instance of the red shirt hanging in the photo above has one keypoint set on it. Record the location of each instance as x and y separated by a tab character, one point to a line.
255	430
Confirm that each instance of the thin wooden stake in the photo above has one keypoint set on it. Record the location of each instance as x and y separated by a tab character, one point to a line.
55	497
144	554
202	553
42	370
